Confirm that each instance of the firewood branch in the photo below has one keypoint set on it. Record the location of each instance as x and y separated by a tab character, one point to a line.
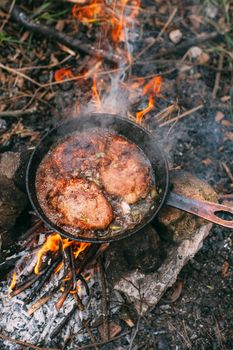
18	15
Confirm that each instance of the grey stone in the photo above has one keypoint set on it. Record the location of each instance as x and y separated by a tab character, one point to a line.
9	164
145	290
142	251
13	165
12	203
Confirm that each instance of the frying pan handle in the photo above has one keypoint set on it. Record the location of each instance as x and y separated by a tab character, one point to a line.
203	209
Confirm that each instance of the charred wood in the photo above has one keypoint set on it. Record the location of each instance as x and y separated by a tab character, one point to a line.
70	257
43	278
43	300
63	323
84	282
25	285
104	303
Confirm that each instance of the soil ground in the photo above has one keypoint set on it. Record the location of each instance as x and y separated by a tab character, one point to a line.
200	143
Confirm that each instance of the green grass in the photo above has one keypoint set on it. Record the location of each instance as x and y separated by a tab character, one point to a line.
4	38
48	12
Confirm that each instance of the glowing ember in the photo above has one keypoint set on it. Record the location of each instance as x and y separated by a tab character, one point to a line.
13	281
63	74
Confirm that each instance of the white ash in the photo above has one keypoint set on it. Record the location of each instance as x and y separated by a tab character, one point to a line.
36	329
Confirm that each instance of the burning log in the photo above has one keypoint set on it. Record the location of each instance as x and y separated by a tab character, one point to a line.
70	257
64	295
25	285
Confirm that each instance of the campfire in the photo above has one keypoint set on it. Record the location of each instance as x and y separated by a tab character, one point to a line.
65	257
55	254
112	223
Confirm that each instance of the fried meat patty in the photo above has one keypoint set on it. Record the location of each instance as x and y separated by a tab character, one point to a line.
79	153
81	204
124	171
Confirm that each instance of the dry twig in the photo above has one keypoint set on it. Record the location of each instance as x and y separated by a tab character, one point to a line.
104	300
166	25
228	171
89	346
185	114
23	343
15	71
218	76
18	113
91	335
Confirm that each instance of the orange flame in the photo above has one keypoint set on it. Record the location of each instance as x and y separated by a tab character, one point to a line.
96	97
13	281
80	246
152	88
113	15
52	244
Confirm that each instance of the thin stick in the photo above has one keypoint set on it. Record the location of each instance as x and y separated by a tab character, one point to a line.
64	295
70	258
8	16
181	116
31	230
43	300
218	76
25	285
91	335
166	112
88	258
44	278
12	70
84	282
104	304
228	171
79	302
18	113
23	343
134	334
89	346
155	40
63	323
170	18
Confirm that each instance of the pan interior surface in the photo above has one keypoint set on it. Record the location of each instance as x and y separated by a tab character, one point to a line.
121	126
